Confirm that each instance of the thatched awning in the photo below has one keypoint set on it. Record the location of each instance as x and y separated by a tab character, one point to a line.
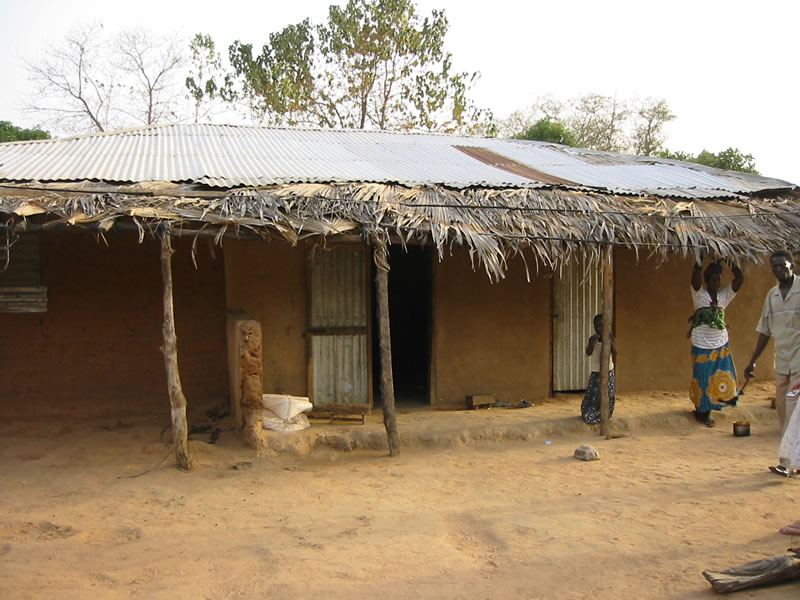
493	223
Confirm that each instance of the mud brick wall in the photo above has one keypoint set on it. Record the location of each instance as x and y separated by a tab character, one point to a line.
97	349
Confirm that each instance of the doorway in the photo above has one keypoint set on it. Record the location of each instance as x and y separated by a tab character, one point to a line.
410	311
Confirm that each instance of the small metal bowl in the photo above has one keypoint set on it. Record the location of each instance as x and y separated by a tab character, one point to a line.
741	429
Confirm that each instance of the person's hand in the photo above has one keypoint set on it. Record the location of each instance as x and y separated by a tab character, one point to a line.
748	371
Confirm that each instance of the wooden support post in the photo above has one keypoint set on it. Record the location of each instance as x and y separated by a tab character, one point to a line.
385	342
607	260
180	428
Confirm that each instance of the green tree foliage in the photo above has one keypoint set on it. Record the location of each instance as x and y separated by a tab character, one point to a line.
205	70
598	122
648	128
12	133
731	159
373	64
547	130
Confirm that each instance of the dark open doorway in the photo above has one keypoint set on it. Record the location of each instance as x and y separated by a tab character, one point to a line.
410	277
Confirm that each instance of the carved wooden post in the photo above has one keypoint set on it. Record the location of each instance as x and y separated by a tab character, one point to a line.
250	345
385	341
607	259
180	428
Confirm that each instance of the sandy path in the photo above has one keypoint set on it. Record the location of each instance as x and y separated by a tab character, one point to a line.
518	519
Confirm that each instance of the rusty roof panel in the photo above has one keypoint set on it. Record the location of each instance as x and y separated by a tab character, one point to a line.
494	159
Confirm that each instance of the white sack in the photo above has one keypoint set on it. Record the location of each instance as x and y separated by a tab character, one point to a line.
271	421
284	406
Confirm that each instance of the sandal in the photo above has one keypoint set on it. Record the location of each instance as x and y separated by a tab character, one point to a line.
707	420
779	470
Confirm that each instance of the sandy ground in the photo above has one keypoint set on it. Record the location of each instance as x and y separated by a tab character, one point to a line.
478	505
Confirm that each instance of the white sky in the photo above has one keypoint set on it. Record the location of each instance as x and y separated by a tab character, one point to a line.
728	69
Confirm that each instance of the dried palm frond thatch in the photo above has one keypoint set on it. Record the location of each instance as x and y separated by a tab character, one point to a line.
493	224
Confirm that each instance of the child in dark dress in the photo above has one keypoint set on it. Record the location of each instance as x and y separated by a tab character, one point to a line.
590	407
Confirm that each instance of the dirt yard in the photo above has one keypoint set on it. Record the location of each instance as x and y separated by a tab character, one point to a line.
459	514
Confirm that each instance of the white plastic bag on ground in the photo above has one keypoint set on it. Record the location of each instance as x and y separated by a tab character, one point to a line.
284	406
273	422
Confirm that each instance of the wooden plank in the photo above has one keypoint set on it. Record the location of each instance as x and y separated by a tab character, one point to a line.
480	400
332	417
342	409
23	299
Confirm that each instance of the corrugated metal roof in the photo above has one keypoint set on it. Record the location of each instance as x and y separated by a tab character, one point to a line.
229	156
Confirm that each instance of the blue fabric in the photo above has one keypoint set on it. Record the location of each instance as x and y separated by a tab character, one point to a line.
713	378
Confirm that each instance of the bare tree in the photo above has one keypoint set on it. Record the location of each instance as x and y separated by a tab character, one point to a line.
598	122
74	86
545	107
94	82
151	64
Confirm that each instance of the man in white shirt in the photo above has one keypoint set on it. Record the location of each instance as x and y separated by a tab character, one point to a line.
780	319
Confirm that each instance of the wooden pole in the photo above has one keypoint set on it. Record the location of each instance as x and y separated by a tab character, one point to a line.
180	429
385	342
605	350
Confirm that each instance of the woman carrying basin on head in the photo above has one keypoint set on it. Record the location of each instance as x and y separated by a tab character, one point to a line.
713	383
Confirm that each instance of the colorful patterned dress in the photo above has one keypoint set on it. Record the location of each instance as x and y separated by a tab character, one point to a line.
713	383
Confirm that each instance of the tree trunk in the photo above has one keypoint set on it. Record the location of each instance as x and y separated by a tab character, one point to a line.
180	429
384	336
605	350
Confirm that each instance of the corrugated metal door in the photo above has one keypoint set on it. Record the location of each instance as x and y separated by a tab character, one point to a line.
576	300
338	329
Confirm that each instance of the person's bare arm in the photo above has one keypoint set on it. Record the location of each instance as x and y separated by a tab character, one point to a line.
697	276
590	345
738	277
761	343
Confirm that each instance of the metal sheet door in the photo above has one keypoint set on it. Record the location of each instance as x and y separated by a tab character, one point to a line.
338	330
576	299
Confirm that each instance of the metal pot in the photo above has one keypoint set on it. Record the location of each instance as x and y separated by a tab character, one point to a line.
741	428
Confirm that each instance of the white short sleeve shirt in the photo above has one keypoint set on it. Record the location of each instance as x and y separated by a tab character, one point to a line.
780	318
704	336
594	359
